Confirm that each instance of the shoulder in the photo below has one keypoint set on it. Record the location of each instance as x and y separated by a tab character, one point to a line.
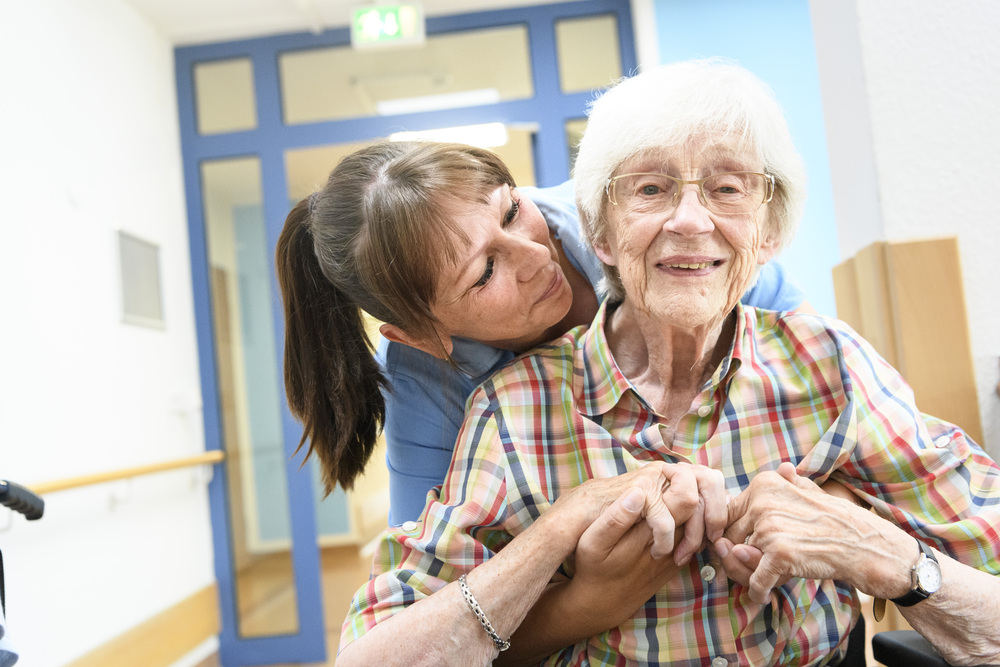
803	336
535	378
774	289
402	363
422	390
823	349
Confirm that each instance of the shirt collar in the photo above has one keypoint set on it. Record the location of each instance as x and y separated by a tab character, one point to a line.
601	384
477	359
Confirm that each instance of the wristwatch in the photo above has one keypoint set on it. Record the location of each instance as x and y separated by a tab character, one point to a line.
925	578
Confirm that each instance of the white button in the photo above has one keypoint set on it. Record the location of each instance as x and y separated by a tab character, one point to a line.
720	662
704	410
942	442
708	573
409	525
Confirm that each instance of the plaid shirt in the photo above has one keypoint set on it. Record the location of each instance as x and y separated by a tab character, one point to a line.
793	387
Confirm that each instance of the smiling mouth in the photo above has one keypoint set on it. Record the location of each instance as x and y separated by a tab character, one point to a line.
553	286
692	265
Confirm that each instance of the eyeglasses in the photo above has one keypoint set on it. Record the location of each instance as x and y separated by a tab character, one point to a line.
728	193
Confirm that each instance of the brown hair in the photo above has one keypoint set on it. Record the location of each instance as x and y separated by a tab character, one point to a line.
369	240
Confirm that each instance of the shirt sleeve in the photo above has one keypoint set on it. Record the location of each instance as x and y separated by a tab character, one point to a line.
922	473
461	527
423	415
774	290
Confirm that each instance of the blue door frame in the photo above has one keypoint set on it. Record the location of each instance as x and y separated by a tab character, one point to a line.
548	109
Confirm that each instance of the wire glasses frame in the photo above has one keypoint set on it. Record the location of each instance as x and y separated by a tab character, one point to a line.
731	192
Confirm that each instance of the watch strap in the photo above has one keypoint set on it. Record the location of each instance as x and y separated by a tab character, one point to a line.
916	593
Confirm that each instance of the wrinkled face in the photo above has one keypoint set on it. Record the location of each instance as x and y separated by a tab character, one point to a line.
507	288
687	266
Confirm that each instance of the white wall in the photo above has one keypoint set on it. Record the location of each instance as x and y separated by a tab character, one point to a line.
90	145
911	90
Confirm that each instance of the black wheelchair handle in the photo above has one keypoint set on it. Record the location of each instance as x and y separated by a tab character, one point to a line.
21	500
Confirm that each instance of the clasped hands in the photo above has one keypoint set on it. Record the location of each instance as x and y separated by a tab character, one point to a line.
655	519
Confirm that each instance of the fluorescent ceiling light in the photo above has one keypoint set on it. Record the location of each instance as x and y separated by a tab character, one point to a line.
487	135
465	98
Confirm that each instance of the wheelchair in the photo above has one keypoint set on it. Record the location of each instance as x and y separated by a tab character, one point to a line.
20	500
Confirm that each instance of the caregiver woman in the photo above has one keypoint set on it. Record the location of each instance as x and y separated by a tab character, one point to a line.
379	238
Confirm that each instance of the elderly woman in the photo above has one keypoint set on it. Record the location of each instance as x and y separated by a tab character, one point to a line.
687	183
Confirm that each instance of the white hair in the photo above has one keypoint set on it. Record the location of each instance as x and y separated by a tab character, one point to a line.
666	108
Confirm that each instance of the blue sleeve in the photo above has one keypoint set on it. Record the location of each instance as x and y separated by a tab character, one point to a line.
774	290
424	412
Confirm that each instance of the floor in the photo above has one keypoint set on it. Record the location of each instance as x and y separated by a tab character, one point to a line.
265	603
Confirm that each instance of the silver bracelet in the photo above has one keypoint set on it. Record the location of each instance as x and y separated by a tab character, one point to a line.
501	644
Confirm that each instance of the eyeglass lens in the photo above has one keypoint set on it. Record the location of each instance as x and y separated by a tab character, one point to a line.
730	193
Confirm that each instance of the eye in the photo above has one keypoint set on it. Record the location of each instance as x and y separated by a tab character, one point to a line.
487	274
508	219
515	207
647	186
727	185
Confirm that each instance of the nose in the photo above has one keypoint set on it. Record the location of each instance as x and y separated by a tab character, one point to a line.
528	255
690	216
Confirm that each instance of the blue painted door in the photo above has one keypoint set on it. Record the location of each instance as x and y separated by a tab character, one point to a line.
238	192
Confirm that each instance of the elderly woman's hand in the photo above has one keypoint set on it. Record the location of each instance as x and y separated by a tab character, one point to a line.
740	560
801	531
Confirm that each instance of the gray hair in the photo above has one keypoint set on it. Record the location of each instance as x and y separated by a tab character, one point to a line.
667	107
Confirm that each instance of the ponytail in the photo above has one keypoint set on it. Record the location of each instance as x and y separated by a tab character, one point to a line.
332	380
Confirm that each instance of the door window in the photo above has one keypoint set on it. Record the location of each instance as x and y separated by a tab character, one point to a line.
589	55
225	96
449	71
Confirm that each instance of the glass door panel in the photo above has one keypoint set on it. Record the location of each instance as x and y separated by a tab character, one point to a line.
447	71
250	402
589	53
224	96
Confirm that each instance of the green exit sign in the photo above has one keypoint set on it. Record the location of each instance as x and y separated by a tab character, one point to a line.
385	25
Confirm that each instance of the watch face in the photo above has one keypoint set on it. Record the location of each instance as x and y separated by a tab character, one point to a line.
929	575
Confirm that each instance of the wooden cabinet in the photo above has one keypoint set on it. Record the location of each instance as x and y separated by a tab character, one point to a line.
906	298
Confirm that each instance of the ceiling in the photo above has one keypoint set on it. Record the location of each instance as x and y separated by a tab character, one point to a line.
186	22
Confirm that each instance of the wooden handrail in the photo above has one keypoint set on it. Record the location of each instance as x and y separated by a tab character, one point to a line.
210	457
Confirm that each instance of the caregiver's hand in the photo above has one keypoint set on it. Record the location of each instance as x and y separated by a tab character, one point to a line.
615	569
672	495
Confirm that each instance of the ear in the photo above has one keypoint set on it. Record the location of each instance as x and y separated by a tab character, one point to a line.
768	249
431	346
603	251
